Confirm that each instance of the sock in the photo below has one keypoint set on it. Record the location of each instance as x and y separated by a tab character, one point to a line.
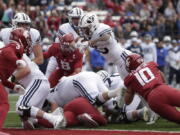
34	111
48	117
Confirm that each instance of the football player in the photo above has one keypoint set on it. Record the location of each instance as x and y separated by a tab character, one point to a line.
101	37
10	60
149	82
71	27
93	91
33	50
68	57
31	78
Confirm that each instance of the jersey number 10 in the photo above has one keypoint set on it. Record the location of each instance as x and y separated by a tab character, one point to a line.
144	78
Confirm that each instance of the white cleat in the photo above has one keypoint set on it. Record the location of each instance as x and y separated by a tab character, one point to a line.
146	114
59	119
87	120
153	117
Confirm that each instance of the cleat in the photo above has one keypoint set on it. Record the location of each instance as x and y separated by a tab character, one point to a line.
153	118
87	120
146	115
58	122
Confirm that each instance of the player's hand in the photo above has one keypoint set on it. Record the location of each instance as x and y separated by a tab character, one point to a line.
18	88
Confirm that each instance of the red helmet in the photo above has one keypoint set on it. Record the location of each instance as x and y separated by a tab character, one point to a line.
66	41
133	61
23	37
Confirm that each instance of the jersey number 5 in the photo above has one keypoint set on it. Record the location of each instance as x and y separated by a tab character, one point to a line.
144	76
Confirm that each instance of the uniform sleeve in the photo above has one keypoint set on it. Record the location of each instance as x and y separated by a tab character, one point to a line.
127	80
35	37
49	52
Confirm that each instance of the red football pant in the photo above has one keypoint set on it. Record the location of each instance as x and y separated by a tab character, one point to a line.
79	106
54	78
4	105
163	100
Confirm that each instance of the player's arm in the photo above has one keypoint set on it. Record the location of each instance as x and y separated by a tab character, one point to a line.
129	95
21	71
38	54
103	37
37	49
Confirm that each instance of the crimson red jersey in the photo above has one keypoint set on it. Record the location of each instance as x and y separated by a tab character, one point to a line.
67	62
8	57
144	79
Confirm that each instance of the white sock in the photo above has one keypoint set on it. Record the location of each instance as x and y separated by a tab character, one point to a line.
34	111
48	117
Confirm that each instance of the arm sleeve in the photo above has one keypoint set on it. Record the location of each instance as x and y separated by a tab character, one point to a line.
52	64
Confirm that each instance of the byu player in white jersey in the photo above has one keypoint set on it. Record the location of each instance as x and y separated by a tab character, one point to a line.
34	50
35	83
84	84
71	27
101	37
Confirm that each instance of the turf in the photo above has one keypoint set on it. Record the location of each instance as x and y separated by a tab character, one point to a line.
12	120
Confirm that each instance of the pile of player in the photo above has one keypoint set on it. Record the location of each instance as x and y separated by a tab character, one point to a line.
74	96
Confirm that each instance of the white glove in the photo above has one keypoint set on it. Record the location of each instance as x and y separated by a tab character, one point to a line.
81	45
18	88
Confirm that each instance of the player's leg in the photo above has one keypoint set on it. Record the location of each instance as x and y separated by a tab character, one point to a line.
4	105
81	106
54	78
168	100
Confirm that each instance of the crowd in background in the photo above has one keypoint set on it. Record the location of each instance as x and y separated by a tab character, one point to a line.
148	27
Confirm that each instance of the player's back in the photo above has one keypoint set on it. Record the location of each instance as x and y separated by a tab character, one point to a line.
144	78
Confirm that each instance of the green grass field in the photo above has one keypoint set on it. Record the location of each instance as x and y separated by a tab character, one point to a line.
12	120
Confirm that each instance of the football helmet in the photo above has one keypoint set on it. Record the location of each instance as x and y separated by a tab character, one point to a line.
20	18
133	61
88	24
23	37
74	15
66	42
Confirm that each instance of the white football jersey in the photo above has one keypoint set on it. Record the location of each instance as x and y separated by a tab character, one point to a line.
114	82
110	49
34	74
35	36
84	84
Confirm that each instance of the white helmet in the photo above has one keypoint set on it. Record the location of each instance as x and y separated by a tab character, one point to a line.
90	21
103	74
75	13
21	18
